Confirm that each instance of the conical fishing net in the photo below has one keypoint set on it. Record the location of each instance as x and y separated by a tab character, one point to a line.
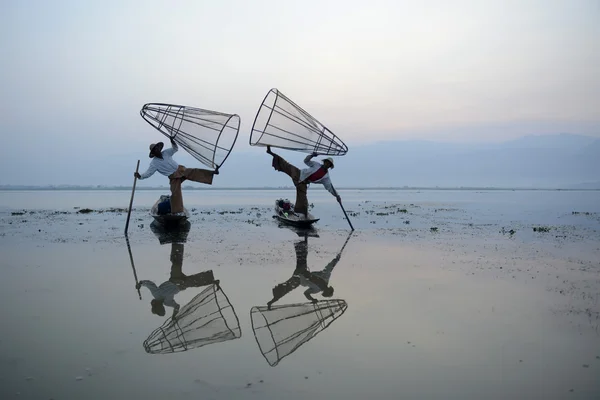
283	329
209	318
209	136
282	123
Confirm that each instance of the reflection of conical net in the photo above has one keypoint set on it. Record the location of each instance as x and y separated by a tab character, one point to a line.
281	330
282	123
207	135
209	318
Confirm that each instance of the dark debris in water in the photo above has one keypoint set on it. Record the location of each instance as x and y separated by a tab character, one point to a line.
511	232
241	210
114	210
108	210
541	229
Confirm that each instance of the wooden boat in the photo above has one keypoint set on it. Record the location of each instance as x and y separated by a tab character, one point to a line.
284	212
167	218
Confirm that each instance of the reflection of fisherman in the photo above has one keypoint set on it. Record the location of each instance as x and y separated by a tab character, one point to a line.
315	173
162	161
314	281
164	295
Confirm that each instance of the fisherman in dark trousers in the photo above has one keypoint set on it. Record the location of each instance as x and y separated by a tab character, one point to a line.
315	173
163	162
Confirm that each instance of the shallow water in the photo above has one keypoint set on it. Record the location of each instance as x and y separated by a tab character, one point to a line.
463	312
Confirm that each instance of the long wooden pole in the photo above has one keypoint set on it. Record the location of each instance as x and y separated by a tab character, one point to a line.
341	205
348	219
131	201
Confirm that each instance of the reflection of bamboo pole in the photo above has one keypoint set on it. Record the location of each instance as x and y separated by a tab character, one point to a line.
345	243
133	267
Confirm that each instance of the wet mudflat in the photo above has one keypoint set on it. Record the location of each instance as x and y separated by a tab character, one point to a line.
467	310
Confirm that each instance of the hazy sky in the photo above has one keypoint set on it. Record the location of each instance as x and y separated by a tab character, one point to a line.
74	74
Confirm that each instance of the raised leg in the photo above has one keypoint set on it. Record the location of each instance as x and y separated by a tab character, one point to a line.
199	175
283	166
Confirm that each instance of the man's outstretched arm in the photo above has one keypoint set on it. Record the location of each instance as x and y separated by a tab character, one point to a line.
309	297
327	184
149	172
308	160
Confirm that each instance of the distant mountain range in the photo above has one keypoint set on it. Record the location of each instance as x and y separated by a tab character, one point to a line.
564	161
533	161
553	161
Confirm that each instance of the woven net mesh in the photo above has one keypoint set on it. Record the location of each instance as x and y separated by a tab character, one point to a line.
209	136
282	123
207	319
283	329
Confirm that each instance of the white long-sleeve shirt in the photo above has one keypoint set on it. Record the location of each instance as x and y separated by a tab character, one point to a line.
166	291
166	165
313	166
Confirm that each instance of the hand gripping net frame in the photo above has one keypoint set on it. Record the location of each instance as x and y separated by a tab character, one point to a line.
282	123
208	136
207	319
281	330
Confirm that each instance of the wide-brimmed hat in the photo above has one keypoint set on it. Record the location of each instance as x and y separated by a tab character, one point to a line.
330	160
160	144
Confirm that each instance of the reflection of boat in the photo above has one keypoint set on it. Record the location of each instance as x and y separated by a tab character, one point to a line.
207	319
302	232
281	330
161	212
171	233
284	212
